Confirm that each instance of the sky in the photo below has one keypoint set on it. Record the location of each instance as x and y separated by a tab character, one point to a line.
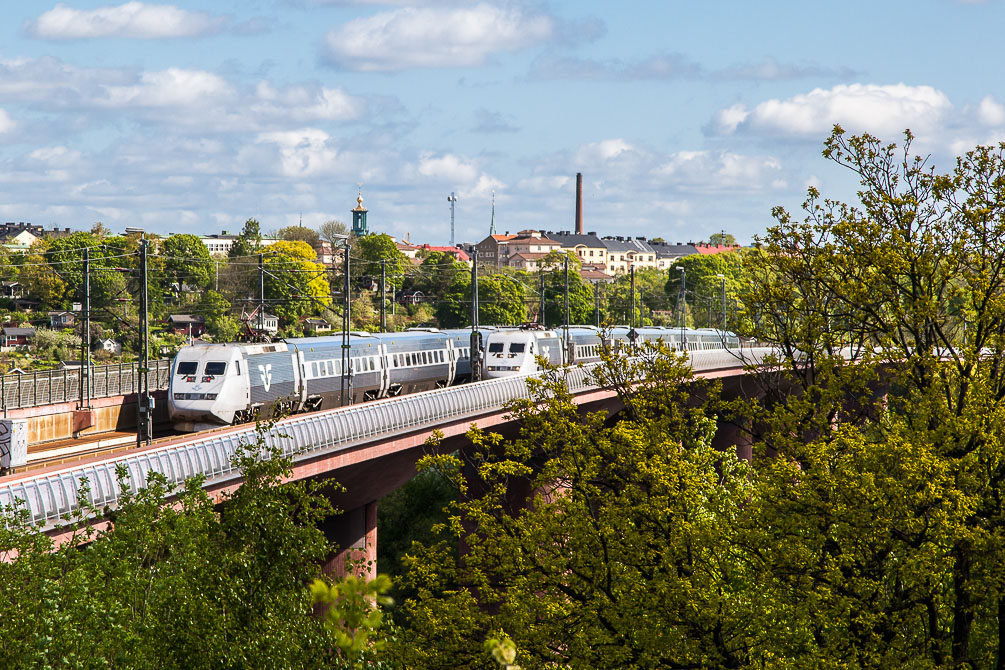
685	118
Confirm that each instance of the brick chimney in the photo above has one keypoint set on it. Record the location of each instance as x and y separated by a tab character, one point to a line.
579	203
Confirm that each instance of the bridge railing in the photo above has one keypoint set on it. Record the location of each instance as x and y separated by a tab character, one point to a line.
48	496
48	387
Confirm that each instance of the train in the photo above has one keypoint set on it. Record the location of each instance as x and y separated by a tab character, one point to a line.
213	385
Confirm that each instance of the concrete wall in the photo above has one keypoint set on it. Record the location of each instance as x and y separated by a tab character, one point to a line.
63	420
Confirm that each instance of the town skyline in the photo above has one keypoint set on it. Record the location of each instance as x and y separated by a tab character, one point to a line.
191	117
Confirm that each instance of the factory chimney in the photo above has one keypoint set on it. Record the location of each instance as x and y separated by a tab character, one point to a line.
579	203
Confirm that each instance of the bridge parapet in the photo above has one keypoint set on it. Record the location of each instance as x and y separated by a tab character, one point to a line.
48	495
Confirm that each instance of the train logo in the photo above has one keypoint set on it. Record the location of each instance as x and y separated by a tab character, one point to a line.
266	371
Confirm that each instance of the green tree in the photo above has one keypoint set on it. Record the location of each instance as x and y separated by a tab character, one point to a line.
620	556
176	581
295	284
248	242
704	288
721	238
581	299
187	261
501	302
372	249
299	234
890	323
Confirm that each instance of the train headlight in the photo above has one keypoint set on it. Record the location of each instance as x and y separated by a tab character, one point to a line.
210	396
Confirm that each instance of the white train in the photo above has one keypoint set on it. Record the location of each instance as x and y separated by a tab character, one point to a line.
216	385
514	352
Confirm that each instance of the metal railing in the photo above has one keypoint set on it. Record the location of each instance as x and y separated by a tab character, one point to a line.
48	496
48	387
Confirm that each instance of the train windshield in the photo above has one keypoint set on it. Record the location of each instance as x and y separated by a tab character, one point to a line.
216	368
187	367
517	347
495	347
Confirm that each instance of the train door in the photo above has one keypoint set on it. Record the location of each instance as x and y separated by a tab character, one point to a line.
451	361
385	370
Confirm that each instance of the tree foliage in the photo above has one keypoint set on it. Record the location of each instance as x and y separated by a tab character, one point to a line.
187	261
295	284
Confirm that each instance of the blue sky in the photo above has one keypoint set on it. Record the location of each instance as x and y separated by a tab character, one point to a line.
685	118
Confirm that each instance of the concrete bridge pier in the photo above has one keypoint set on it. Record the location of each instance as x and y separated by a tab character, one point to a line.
354	534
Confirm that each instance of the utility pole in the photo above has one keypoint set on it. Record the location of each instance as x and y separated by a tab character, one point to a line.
540	309
631	330
261	295
683	307
144	424
723	278
568	344
596	302
346	306
85	336
452	199
383	295
476	338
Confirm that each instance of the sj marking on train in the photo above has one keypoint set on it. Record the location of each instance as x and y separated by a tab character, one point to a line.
266	371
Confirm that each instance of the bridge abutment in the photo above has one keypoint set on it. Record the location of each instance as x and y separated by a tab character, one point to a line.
354	534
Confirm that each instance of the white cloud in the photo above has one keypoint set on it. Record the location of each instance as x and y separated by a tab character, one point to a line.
990	112
173	87
6	123
302	153
880	110
448	168
304	105
718	171
411	37
130	20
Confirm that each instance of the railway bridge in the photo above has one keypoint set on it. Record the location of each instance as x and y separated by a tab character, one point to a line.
371	449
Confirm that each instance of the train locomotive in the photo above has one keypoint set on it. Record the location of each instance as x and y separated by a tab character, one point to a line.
216	385
515	352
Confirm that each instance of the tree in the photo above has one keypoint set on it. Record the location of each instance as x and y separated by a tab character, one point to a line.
908	285
581	299
435	274
373	249
295	284
501	301
620	556
187	261
704	288
299	234
723	238
177	581
248	242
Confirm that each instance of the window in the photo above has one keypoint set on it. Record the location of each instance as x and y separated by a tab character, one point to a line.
216	368
187	367
517	347
237	367
495	347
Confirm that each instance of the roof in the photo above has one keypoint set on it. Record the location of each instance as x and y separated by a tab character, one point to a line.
534	239
594	276
18	332
708	249
532	256
627	244
568	239
460	253
186	319
678	250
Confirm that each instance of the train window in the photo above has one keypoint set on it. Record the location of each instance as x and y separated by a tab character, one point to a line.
517	347
187	367
373	365
216	368
237	367
495	347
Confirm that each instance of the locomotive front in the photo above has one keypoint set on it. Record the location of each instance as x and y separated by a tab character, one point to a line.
208	388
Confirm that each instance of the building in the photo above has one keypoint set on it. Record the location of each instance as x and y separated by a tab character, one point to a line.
108	344
590	249
12	338
11	289
193	325
359	228
18	241
668	254
314	326
489	249
62	320
222	243
625	252
705	248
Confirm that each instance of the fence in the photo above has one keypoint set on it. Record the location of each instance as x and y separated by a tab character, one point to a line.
47	387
